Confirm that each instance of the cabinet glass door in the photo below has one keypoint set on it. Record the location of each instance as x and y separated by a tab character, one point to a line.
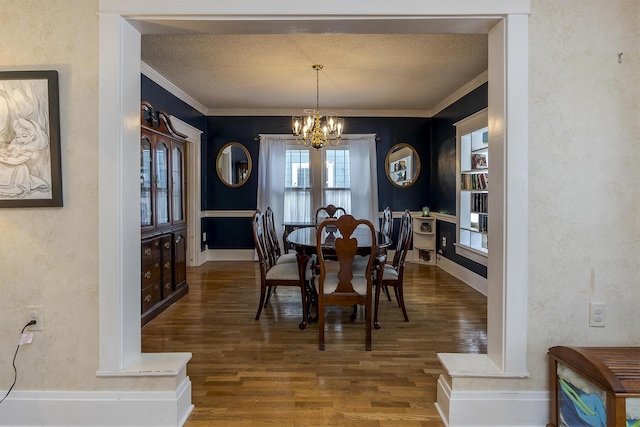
145	182
162	184
176	171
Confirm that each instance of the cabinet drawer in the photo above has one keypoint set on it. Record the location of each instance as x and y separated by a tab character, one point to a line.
150	250
167	288
151	272
165	242
151	295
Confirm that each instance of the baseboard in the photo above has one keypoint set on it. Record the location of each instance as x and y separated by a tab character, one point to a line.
492	408
472	279
98	408
230	254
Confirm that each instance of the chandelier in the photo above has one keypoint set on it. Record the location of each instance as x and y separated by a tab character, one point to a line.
310	131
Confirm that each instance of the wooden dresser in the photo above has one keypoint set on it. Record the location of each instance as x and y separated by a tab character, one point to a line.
162	213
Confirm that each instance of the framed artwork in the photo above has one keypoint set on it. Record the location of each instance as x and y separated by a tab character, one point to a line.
30	165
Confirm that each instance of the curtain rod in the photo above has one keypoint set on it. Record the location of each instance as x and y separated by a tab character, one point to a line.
289	137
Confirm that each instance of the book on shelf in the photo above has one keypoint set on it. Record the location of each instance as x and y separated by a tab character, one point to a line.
479	161
475	181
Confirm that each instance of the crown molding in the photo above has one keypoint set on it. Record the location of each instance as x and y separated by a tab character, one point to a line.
171	88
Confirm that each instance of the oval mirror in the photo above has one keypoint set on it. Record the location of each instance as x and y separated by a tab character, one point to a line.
402	165
233	164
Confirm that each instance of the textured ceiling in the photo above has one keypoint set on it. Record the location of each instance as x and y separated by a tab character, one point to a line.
362	72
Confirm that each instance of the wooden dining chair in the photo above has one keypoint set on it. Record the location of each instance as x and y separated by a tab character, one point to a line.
340	285
273	239
273	247
386	229
393	272
329	211
272	274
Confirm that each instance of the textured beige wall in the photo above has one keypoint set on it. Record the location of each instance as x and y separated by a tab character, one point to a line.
584	159
49	256
584	197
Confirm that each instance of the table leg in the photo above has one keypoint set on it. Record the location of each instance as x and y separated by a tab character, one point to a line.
302	266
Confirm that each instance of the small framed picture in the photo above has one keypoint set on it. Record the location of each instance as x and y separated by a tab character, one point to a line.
30	164
479	161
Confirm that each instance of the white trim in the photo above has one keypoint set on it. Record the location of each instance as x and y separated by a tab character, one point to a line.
464	90
471	253
106	408
444	217
230	254
171	88
221	112
491	408
194	198
227	214
119	88
472	279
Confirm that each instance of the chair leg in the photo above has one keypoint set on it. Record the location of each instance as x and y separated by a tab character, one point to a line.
376	324
320	324
268	298
386	291
400	297
263	291
367	315
305	312
354	314
395	291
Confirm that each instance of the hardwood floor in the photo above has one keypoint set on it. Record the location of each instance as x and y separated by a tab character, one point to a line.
270	373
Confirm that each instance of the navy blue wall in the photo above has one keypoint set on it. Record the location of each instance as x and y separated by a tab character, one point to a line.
434	140
160	99
244	129
443	170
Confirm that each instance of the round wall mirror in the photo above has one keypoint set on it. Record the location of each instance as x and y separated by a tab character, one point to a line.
402	165
233	164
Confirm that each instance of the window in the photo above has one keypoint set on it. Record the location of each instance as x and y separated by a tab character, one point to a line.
303	168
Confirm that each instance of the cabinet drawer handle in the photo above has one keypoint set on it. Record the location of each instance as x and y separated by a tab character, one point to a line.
167	265
147	251
147	297
156	243
178	239
167	286
147	274
167	245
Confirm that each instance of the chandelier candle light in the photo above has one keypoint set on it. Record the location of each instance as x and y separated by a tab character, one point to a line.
310	130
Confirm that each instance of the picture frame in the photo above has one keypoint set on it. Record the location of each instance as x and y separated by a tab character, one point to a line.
30	160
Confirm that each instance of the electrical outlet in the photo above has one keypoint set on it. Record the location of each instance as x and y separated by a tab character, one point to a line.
34	312
596	314
444	242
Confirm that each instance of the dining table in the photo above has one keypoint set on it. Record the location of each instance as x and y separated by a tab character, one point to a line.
304	242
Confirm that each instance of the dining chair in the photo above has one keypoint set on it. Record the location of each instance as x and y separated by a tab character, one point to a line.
393	273
273	247
337	283
386	228
329	211
272	274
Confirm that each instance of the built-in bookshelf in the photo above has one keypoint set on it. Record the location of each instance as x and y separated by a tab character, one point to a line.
472	208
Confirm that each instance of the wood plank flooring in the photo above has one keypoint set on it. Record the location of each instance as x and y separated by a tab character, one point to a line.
269	373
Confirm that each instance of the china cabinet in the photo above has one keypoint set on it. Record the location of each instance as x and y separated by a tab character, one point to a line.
162	213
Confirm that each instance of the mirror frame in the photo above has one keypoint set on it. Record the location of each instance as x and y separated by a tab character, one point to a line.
249	164
417	166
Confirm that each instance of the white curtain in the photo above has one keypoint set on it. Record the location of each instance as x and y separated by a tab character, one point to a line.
364	178
271	161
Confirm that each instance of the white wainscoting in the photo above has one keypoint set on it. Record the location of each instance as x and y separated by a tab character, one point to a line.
491	408
98	408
